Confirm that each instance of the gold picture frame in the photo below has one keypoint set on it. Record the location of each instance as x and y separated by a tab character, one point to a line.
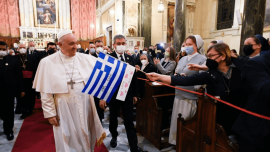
46	13
267	17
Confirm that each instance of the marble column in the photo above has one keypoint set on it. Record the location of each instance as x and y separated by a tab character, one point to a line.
146	21
179	33
253	20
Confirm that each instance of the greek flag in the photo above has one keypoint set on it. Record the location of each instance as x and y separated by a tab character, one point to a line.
106	77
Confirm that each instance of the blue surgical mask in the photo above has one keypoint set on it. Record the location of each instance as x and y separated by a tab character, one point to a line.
189	49
92	51
136	51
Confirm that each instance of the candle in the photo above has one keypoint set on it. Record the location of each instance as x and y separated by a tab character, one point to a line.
39	26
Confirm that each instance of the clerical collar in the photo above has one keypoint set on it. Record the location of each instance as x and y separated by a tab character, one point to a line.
65	56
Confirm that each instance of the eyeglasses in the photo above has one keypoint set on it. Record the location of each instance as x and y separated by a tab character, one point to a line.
210	56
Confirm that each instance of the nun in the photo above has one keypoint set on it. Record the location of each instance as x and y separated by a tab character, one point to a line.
186	103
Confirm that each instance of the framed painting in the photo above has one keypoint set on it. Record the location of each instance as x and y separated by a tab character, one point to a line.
46	13
267	17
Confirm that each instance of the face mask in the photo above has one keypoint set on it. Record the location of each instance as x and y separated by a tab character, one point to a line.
105	51
3	53
144	62
183	49
99	49
136	51
121	48
189	49
92	51
167	54
13	54
248	50
22	51
144	52
32	48
212	64
51	51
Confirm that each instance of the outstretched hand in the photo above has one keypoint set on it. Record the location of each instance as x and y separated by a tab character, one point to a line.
197	67
152	76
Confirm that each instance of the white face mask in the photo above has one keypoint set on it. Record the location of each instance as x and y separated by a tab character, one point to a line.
144	52
22	51
13	54
3	53
99	49
144	62
183	49
105	51
32	48
121	48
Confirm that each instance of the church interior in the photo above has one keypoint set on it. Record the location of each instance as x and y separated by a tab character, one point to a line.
154	27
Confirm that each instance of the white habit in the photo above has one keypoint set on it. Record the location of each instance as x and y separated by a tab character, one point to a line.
80	126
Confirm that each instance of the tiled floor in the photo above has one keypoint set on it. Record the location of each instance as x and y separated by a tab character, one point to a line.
122	141
5	145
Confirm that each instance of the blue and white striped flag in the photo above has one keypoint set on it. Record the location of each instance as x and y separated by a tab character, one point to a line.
106	77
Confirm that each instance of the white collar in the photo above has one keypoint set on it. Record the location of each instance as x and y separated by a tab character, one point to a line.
119	55
191	56
255	56
65	56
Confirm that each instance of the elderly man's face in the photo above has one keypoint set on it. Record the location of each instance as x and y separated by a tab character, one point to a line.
68	45
31	44
22	46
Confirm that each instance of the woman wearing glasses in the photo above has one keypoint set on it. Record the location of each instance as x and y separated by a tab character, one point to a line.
225	79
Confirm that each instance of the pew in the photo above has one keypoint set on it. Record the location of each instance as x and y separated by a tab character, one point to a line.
149	113
201	133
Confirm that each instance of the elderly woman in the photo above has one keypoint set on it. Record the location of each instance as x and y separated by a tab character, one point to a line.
225	78
167	64
146	66
184	102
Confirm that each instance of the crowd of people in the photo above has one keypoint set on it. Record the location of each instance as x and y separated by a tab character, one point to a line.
241	80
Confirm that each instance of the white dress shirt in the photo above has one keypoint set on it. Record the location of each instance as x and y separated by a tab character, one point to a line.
119	56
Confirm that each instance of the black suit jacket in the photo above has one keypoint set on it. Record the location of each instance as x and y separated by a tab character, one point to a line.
11	75
256	74
95	55
132	92
136	58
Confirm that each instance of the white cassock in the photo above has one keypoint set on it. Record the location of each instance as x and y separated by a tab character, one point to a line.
79	127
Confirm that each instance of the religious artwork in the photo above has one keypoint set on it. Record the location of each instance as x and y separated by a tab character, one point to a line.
267	16
46	13
29	35
138	43
131	31
170	23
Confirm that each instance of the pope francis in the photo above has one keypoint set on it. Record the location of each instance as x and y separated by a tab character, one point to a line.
60	79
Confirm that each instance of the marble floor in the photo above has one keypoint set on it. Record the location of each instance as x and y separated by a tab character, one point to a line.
5	145
122	141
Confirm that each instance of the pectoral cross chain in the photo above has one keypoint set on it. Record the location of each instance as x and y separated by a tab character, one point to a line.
71	83
228	91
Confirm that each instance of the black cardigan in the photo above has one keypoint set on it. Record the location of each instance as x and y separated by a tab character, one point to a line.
225	115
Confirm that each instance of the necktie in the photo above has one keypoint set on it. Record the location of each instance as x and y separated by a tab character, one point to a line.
122	59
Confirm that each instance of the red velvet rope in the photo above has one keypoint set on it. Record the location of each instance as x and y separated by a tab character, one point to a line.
224	102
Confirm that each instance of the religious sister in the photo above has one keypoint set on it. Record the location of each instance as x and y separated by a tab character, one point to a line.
225	79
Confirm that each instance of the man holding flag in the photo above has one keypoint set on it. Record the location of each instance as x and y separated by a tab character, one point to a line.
130	98
60	79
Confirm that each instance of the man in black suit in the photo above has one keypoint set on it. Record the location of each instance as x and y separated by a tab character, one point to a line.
51	48
127	105
10	72
80	49
29	61
255	132
136	55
